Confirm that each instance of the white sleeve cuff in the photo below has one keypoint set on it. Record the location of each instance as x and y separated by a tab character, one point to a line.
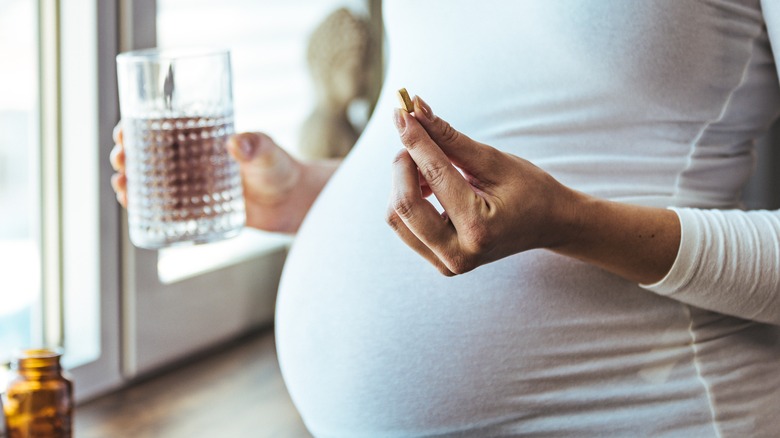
683	268
728	262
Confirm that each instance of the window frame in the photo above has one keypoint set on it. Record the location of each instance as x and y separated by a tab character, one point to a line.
140	330
101	373
166	322
124	349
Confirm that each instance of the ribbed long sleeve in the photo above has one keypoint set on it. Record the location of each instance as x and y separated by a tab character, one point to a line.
728	262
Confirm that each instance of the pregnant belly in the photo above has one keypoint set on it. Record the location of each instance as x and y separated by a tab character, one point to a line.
373	341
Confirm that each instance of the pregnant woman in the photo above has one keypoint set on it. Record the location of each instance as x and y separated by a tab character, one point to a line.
599	276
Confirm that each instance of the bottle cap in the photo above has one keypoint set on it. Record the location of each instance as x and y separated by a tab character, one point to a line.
38	359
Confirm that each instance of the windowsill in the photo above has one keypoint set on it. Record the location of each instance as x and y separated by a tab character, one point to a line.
205	397
179	263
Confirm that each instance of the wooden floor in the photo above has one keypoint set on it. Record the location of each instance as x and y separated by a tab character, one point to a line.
233	393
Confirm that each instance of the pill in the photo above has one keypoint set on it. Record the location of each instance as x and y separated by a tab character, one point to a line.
404	100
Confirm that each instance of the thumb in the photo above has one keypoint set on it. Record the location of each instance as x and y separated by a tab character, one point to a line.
264	166
464	152
248	147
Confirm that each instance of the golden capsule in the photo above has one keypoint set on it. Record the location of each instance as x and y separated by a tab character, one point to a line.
404	100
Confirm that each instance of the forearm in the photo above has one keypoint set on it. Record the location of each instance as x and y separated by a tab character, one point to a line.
635	242
728	260
501	204
278	199
314	176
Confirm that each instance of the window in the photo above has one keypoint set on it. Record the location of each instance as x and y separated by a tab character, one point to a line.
69	276
20	255
59	227
272	90
177	301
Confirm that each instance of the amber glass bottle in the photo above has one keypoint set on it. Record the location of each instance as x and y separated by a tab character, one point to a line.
39	399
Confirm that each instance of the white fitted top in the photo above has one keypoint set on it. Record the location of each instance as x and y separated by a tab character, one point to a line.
653	102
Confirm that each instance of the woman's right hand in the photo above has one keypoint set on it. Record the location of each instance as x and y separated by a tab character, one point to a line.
278	189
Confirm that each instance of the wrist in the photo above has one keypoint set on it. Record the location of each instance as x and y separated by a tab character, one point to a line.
636	242
571	220
311	178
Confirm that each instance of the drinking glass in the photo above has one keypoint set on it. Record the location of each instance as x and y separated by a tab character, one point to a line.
177	114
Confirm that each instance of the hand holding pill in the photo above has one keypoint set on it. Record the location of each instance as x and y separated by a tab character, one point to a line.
498	206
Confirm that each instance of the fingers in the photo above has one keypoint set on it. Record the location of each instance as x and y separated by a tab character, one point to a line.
413	218
119	184
117	134
266	169
444	180
424	187
418	214
464	152
117	158
400	228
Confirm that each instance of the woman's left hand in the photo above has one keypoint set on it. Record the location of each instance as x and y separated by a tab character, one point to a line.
497	204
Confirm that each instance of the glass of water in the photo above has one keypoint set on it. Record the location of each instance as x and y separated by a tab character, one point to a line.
177	114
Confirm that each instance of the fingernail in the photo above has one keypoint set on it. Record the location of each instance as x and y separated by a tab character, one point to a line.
398	118
245	147
424	108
